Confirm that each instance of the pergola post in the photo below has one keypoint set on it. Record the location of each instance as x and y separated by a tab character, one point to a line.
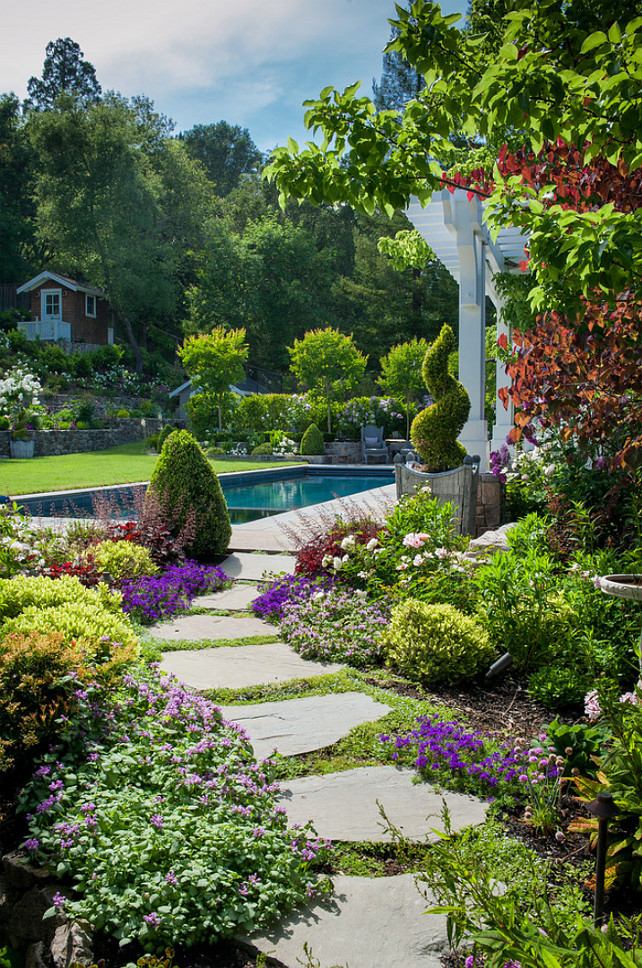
452	224
463	219
503	417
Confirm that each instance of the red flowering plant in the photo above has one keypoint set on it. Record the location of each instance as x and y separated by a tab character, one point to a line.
324	552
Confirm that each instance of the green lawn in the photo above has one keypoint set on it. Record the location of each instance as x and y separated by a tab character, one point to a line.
126	464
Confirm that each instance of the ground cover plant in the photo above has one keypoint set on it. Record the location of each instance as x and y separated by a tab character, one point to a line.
163	819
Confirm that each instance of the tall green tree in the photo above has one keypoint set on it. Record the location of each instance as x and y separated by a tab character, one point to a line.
401	373
64	72
18	249
226	152
120	203
328	363
214	361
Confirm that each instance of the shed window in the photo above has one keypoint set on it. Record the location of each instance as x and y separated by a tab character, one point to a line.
90	305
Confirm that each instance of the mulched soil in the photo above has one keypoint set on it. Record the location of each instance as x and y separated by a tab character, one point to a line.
501	706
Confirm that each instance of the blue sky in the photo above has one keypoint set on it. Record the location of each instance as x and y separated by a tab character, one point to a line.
249	62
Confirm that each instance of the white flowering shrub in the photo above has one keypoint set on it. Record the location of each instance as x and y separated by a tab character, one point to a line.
19	389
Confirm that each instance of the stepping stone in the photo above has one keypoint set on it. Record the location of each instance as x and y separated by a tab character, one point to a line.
213	627
343	806
241	666
376	922
237	598
253	567
302	725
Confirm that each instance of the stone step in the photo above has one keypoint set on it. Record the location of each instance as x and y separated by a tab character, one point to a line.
345	806
377	922
303	725
253	567
235	599
195	627
236	667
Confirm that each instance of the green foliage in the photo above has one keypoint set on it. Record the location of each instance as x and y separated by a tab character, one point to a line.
24	591
579	744
203	412
123	559
40	672
214	361
189	495
328	364
262	450
164	434
175	860
74	620
312	442
402	373
434	431
435	644
226	151
64	71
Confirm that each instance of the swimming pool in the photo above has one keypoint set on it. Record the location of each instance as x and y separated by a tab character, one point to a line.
251	501
249	494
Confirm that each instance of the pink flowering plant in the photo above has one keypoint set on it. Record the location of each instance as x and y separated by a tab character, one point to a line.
168	826
335	625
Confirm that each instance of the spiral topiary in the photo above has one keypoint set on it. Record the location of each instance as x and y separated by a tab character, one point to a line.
434	431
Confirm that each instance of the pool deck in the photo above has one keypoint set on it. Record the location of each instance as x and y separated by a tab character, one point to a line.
282	532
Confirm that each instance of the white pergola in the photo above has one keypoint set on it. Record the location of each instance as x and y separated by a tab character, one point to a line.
453	226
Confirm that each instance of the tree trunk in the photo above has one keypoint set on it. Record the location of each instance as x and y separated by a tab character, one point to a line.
138	356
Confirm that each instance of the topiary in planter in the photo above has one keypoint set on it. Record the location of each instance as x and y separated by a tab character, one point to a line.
434	431
312	442
435	644
187	491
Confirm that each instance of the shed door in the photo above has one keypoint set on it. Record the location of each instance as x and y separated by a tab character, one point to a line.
51	304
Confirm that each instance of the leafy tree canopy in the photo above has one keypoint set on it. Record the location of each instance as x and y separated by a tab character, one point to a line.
328	363
401	373
64	72
226	151
214	361
547	84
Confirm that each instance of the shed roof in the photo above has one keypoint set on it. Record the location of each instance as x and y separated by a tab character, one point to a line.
73	284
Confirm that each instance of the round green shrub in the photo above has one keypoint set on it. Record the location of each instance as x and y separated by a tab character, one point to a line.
434	430
187	491
74	620
151	443
82	425
263	450
164	434
123	559
312	442
123	413
435	644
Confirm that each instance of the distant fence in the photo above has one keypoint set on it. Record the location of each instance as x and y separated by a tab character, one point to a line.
9	298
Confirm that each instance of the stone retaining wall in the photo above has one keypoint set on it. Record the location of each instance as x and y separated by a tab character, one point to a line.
343	452
60	401
49	443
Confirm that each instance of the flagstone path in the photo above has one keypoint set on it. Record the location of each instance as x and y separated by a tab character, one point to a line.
367	922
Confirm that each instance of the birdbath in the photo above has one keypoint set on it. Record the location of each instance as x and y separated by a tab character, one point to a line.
624	586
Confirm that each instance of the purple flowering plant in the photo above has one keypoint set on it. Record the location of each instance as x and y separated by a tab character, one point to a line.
335	626
272	603
152	598
477	763
164	819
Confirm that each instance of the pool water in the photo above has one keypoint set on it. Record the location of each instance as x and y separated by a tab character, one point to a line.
260	500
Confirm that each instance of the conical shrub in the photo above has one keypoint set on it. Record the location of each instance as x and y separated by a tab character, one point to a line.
312	444
186	489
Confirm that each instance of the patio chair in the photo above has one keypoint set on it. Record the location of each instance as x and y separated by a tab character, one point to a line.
372	443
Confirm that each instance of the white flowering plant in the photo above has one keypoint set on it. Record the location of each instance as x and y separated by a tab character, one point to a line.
19	391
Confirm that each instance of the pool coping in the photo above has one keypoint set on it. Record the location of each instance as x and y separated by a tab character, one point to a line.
261	475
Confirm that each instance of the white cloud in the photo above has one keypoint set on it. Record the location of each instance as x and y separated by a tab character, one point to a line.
235	58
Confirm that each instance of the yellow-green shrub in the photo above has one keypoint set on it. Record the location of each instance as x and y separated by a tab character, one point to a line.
23	591
435	644
39	673
123	559
74	620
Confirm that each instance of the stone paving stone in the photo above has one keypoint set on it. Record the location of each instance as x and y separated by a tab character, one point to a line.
244	665
253	567
302	725
343	806
374	922
211	627
237	598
